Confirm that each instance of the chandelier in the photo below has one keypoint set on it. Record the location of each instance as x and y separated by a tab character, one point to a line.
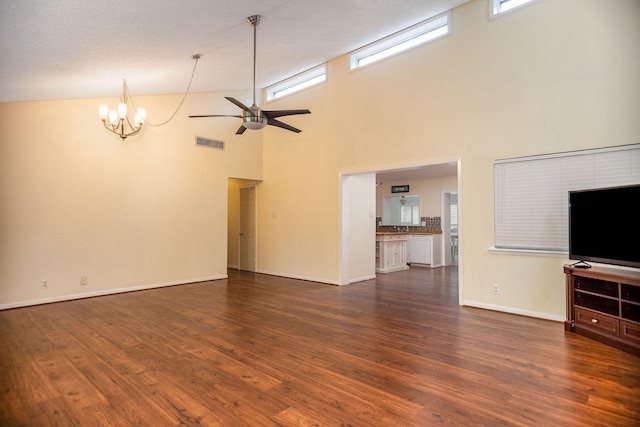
114	120
117	121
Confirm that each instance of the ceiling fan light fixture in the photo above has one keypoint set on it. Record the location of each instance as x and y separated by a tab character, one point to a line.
255	125
254	119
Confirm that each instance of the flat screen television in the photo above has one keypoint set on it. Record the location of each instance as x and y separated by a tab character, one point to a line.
604	225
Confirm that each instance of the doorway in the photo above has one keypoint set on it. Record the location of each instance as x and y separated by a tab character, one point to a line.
247	232
450	227
349	217
242	234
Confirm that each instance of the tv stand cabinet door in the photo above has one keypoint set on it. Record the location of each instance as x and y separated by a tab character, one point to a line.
630	332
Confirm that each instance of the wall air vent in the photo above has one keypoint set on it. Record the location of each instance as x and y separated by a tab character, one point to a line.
211	143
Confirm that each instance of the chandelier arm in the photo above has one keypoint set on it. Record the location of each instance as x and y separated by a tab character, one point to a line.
108	127
196	57
111	128
134	132
132	126
119	129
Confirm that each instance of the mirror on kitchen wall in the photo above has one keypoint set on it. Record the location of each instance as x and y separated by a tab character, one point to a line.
401	210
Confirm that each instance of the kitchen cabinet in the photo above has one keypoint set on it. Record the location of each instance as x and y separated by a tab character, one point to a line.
391	252
425	249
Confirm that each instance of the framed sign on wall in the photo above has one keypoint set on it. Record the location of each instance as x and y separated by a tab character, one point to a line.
399	188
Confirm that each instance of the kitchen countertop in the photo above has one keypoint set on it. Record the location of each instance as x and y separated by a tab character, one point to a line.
389	232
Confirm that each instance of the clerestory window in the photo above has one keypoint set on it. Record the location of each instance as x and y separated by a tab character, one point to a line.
409	38
298	82
501	6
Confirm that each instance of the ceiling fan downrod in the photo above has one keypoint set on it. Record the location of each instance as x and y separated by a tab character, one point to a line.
254	20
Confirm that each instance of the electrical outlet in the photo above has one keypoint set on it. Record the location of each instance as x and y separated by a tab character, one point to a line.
496	289
44	284
84	280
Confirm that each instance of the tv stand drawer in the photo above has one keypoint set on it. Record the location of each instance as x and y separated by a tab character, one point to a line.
597	322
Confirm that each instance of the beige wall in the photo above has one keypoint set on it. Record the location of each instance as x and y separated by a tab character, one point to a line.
554	76
77	201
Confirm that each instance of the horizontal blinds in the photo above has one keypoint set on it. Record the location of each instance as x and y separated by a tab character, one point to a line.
531	194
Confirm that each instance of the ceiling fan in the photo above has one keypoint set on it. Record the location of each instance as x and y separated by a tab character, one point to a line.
254	117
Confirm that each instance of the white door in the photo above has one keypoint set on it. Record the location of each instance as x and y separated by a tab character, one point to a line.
248	228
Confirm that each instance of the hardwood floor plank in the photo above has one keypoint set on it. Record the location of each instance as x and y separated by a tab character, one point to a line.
53	412
264	350
14	384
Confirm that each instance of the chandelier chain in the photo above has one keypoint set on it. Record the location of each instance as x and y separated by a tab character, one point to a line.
184	97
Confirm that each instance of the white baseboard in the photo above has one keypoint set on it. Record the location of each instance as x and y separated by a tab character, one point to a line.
106	292
362	279
511	310
295	276
315	279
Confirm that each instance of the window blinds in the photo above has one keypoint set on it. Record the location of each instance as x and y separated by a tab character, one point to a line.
531	193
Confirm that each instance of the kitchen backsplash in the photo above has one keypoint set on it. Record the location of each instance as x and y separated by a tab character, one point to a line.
431	223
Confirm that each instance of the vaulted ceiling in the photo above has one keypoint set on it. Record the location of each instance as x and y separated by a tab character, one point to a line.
67	49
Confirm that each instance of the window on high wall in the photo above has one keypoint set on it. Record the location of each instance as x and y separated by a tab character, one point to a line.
298	82
531	194
502	6
409	38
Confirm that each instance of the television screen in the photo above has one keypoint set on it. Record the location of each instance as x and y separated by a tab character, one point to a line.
604	225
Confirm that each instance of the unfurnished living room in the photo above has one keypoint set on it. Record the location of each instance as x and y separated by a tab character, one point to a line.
339	213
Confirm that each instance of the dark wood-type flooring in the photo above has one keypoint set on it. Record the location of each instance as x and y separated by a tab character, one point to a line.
259	350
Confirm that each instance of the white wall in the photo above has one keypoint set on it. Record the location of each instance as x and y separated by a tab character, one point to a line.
358	226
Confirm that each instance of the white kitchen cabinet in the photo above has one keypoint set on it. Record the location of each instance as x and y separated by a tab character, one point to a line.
425	249
391	252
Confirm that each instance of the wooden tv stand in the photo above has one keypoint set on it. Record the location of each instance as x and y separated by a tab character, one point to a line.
604	304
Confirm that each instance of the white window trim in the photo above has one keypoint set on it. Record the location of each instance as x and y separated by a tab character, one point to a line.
402	41
497	8
298	82
529	252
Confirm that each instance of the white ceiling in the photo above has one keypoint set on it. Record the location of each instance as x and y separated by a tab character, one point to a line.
67	49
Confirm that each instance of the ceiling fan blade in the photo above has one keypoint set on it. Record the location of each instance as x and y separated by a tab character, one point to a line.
215	115
277	123
241	130
279	113
238	103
